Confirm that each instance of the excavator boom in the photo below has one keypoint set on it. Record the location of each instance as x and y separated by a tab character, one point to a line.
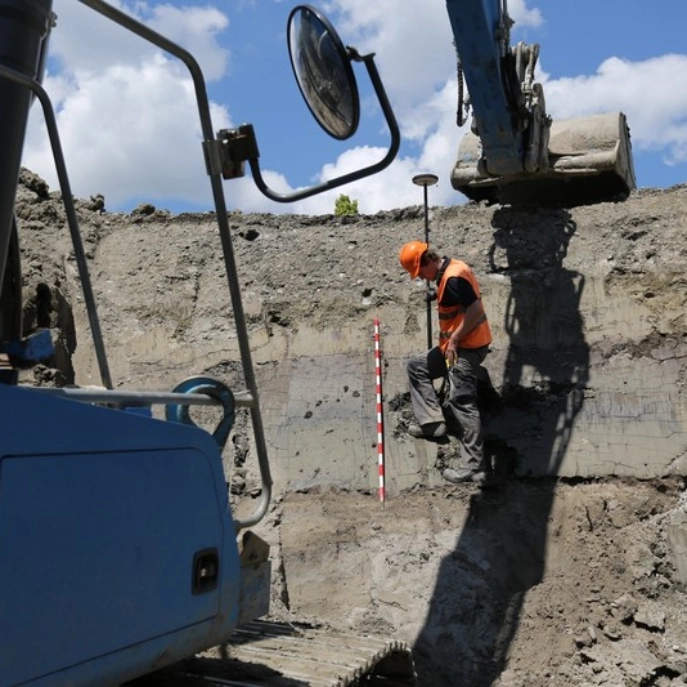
514	152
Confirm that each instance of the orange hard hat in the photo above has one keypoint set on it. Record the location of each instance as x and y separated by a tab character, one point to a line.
410	257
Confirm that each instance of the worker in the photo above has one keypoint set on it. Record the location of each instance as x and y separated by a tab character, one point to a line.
464	338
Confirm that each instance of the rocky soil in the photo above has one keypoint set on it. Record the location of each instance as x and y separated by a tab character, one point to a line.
571	578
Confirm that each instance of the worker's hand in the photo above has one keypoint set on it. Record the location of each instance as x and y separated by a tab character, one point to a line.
431	295
451	353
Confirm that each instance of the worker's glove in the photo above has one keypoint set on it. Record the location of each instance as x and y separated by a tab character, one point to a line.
431	295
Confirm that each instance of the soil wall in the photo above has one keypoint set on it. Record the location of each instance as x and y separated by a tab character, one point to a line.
586	377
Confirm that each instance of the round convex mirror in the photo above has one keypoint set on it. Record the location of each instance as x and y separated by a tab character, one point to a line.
323	71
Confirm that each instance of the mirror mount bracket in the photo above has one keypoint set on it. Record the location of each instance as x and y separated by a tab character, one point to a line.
235	147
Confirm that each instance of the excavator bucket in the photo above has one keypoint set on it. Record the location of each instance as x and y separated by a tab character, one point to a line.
587	161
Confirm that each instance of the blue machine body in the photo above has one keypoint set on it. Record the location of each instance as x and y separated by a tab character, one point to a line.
117	545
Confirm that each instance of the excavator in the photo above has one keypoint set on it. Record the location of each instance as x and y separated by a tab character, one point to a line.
120	556
514	152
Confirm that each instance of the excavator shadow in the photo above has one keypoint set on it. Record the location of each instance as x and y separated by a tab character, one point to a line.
500	553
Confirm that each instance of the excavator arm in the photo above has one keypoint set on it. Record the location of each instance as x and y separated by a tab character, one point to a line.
514	152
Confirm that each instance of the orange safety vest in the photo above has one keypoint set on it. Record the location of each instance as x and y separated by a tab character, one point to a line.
450	317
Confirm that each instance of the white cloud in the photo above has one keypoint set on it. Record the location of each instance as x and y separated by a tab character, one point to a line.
116	146
127	114
412	45
85	41
524	16
652	93
197	29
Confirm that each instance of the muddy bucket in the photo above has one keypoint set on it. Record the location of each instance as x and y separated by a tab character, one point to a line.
588	161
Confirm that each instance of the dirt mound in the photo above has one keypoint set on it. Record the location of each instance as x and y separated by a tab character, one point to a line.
533	583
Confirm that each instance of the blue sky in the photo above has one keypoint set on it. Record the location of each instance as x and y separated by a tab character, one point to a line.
129	126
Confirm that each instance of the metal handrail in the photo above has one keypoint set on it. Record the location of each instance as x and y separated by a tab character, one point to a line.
142	398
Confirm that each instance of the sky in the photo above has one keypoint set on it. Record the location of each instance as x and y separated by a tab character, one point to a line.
129	125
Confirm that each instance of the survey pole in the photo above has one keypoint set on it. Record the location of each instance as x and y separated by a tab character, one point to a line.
426	180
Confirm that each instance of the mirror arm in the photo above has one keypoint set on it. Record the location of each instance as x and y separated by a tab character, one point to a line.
352	176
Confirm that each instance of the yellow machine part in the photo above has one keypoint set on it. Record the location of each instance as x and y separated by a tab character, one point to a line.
589	161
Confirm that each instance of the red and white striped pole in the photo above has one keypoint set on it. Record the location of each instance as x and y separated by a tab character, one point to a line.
380	411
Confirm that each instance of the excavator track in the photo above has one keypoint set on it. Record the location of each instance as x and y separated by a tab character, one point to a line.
293	655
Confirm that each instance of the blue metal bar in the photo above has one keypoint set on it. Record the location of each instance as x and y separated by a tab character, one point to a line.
475	25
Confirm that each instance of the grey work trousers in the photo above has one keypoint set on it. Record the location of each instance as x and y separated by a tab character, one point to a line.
459	409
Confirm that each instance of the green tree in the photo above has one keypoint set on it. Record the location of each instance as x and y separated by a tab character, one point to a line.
345	206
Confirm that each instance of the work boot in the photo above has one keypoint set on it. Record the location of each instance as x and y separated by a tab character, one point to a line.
430	430
454	429
467	474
